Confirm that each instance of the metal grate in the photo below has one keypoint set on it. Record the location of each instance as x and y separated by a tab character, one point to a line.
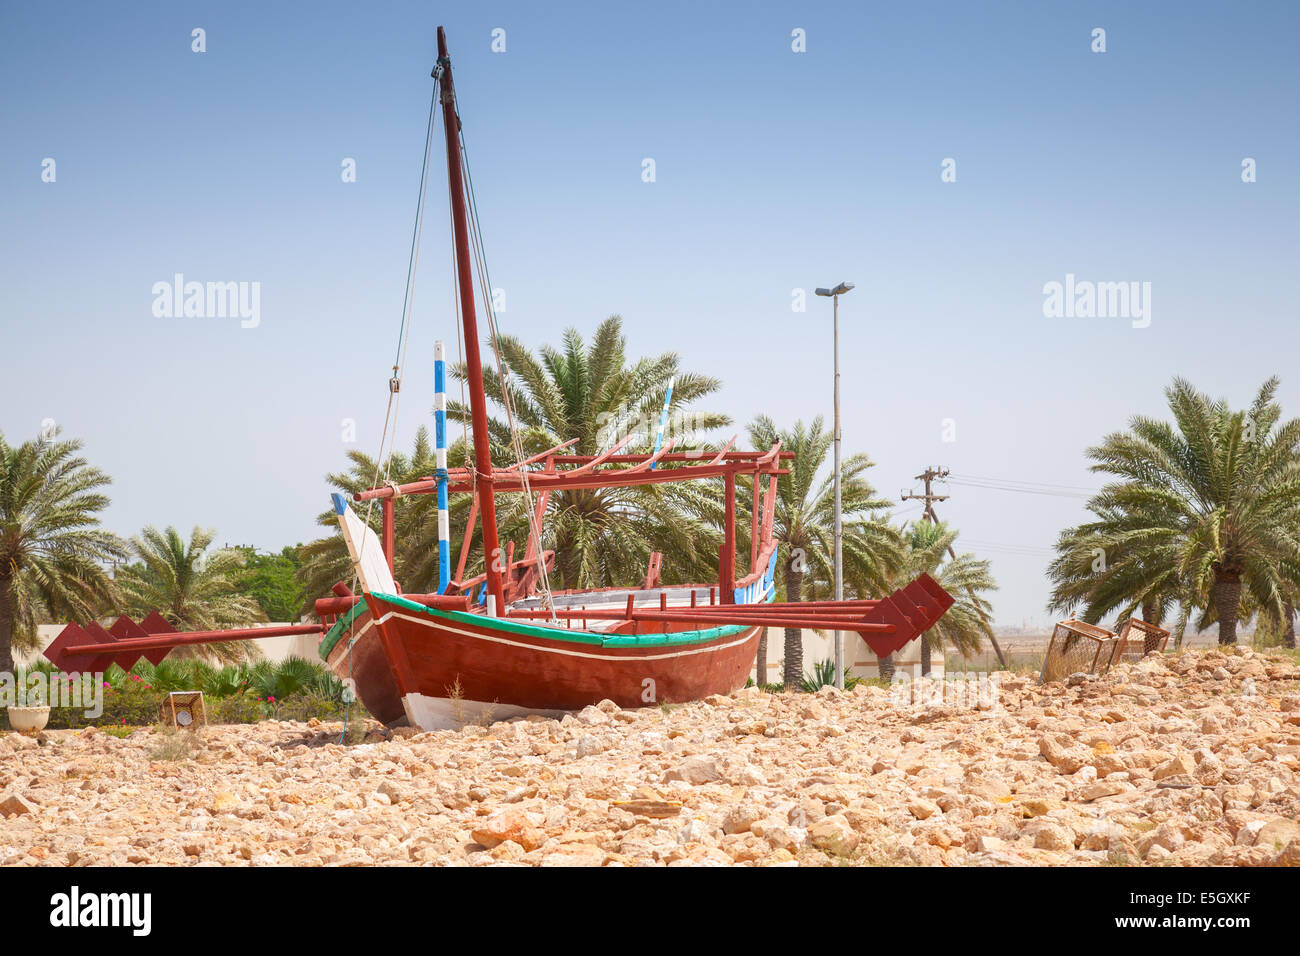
1137	639
1076	648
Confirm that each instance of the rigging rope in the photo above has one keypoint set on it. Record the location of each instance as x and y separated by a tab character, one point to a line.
392	413
485	283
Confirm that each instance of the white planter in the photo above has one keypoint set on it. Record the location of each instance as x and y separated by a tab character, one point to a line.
28	719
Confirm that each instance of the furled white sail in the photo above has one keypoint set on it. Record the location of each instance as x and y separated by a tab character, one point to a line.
366	551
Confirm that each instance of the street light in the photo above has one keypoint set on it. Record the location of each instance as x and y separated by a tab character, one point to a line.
834	295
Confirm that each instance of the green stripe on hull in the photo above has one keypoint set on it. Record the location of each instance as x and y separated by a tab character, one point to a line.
335	633
549	633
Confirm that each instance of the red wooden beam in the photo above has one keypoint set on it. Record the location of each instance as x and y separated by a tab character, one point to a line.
469	536
753	457
185	638
387	506
718	615
443	602
727	562
460	481
469	323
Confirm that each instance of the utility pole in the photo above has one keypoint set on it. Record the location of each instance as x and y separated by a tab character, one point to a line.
928	476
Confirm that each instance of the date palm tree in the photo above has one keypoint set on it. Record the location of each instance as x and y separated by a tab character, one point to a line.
194	589
594	393
1112	566
805	525
929	549
1204	510
52	549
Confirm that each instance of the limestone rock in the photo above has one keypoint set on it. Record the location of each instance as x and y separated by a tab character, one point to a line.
512	825
833	834
695	770
1182	764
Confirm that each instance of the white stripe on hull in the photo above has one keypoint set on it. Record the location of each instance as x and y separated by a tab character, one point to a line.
444	713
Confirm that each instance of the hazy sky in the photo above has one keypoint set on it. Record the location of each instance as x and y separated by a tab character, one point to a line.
775	170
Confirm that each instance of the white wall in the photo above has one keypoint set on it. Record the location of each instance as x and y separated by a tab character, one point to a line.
858	659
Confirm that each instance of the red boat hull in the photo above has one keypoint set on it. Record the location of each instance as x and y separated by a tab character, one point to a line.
445	667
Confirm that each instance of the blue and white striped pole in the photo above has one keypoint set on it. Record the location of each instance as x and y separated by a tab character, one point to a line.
663	418
440	429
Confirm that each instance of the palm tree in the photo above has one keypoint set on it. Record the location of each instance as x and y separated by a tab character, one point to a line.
52	550
192	589
929	550
1099	570
1204	511
604	536
805	519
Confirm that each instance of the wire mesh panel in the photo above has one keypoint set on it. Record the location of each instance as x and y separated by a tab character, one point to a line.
184	709
1137	639
1076	648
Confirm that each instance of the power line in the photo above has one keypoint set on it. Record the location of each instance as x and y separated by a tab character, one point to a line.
1026	481
1022	488
1029	551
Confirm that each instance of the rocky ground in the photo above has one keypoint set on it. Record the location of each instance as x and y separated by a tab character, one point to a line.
1189	759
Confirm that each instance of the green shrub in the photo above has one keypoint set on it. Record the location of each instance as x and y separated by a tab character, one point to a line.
278	681
226	682
823	675
294	689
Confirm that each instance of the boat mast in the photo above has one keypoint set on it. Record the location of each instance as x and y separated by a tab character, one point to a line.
473	363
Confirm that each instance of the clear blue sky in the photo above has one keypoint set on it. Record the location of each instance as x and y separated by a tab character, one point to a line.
775	170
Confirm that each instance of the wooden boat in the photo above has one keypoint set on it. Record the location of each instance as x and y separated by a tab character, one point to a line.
503	643
439	662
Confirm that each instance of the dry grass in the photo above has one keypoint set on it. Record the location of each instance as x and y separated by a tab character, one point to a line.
175	745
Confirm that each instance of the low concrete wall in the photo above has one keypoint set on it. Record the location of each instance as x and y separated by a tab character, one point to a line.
859	661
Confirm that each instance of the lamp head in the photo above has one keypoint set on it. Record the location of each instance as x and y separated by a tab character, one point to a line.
838	290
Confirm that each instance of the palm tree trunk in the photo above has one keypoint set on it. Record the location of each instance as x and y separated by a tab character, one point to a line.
793	676
1227	602
760	664
6	625
1288	636
564	564
925	655
885	667
1151	612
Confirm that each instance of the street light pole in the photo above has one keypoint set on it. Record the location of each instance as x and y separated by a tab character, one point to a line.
839	521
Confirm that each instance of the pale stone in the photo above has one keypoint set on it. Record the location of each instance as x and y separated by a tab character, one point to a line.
833	834
922	809
1065	760
695	770
1181	764
1095	791
1052	836
1277	832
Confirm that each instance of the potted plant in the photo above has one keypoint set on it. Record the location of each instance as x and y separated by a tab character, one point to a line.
31	716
